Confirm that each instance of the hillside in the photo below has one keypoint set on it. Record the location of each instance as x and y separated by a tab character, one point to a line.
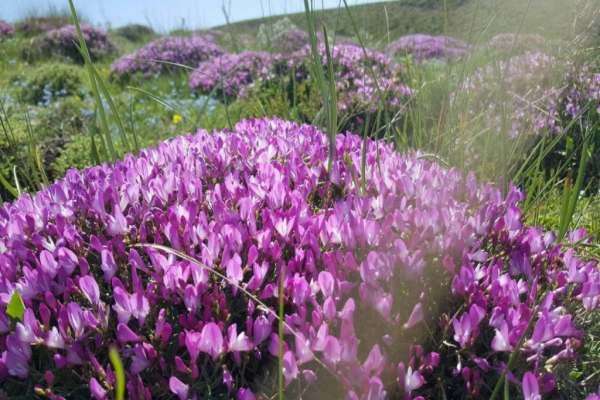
472	20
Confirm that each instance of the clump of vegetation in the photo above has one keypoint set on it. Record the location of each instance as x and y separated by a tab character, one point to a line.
62	42
35	25
6	30
135	32
48	82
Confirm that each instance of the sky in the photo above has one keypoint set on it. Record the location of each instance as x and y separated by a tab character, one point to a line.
163	15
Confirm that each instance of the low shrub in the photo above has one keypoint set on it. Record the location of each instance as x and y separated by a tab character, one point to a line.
364	80
33	26
6	30
62	43
423	284
229	76
426	47
147	61
49	82
282	36
135	32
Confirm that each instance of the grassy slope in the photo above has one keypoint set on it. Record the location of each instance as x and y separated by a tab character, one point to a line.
473	20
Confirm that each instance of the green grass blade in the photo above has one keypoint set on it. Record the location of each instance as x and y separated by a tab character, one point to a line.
117	364
90	71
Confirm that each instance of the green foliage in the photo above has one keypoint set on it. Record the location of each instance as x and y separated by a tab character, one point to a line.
48	82
135	32
15	307
35	25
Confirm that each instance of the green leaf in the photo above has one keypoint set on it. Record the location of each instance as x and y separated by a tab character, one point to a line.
117	364
16	308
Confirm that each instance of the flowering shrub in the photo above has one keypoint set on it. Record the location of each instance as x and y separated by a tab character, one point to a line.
363	275
425	47
35	25
358	93
282	36
186	50
229	75
135	32
6	29
522	88
61	42
579	110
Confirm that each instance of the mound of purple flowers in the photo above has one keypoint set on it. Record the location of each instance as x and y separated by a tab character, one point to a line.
522	87
154	58
62	41
289	41
230	75
6	29
425	47
364	275
363	77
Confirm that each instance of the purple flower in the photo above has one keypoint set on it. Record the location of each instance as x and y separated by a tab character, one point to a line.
531	390
237	342
97	390
125	334
89	288
211	340
178	388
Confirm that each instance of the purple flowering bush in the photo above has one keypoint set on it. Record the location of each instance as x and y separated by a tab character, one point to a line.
282	36
61	42
579	111
6	29
230	75
290	41
32	26
426	47
425	282
517	96
363	81
186	50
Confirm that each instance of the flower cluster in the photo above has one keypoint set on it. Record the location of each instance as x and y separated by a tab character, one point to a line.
361	273
6	29
62	42
282	36
230	75
362	77
426	47
582	92
522	87
159	56
32	26
516	292
290	41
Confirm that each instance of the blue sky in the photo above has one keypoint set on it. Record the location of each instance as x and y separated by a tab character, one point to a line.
164	15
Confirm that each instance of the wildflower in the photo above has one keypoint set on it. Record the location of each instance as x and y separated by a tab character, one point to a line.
176	119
